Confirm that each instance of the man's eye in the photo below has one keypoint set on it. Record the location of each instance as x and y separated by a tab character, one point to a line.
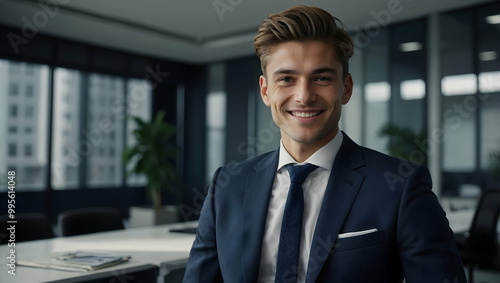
323	79
285	79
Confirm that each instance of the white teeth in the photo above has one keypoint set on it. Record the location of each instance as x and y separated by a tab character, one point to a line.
305	114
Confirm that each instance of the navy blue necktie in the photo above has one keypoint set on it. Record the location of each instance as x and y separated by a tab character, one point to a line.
291	227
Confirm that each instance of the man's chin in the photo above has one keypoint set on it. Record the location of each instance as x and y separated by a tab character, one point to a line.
313	137
306	139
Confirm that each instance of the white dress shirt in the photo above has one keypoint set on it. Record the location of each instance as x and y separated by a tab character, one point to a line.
314	190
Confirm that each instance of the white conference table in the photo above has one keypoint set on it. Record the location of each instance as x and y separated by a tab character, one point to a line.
147	245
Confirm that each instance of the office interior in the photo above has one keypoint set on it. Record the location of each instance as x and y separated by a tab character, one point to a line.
73	73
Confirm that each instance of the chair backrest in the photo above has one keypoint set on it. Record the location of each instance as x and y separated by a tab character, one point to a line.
482	244
89	220
29	227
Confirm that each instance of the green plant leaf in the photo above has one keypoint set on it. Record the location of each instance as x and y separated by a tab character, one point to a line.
154	153
404	142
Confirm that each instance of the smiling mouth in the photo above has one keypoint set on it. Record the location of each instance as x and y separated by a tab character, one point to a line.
305	114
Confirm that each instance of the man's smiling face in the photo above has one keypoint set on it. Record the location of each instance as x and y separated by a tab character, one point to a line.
304	88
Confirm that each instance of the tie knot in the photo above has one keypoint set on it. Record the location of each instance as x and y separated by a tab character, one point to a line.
299	173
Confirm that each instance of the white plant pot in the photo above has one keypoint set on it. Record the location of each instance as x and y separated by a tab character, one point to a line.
142	216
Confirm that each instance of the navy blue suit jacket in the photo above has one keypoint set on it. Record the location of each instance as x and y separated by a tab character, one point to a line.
366	190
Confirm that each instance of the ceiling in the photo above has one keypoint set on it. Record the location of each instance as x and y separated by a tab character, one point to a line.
193	31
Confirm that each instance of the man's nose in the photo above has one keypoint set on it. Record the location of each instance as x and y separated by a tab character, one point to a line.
304	93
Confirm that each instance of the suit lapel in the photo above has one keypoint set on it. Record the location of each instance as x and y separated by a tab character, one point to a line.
255	205
341	191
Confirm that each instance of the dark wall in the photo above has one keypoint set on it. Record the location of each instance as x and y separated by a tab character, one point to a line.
242	80
194	144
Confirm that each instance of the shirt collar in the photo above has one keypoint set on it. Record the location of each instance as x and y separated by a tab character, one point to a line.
324	157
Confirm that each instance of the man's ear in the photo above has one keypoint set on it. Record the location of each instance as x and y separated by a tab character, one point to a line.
348	85
263	90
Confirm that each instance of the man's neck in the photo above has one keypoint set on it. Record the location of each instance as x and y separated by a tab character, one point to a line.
302	151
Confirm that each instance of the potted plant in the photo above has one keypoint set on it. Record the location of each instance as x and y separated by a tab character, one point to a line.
153	155
404	143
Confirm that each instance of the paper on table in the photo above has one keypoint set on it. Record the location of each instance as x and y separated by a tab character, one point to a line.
76	260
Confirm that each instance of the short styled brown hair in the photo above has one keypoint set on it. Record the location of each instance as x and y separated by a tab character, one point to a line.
302	23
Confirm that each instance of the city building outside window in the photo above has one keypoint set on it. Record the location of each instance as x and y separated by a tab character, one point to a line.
24	149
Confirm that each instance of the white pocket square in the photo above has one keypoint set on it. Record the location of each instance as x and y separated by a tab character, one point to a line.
358	233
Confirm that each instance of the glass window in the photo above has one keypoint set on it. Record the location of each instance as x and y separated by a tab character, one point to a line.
13	111
12	150
458	87
28	150
24	149
32	175
13	89
408	89
215	119
29	91
139	97
377	91
104	91
471	99
68	149
489	93
216	130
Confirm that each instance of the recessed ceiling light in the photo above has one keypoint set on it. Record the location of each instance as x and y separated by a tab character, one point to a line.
459	84
377	92
489	82
493	19
488	56
410	46
412	89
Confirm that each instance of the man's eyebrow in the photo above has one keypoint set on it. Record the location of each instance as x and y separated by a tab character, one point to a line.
325	70
284	72
314	72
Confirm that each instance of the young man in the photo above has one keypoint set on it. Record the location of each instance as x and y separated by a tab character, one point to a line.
358	216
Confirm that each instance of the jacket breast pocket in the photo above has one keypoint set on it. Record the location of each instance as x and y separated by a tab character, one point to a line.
357	242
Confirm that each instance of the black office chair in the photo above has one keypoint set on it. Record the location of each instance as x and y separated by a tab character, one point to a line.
89	220
481	244
29	227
